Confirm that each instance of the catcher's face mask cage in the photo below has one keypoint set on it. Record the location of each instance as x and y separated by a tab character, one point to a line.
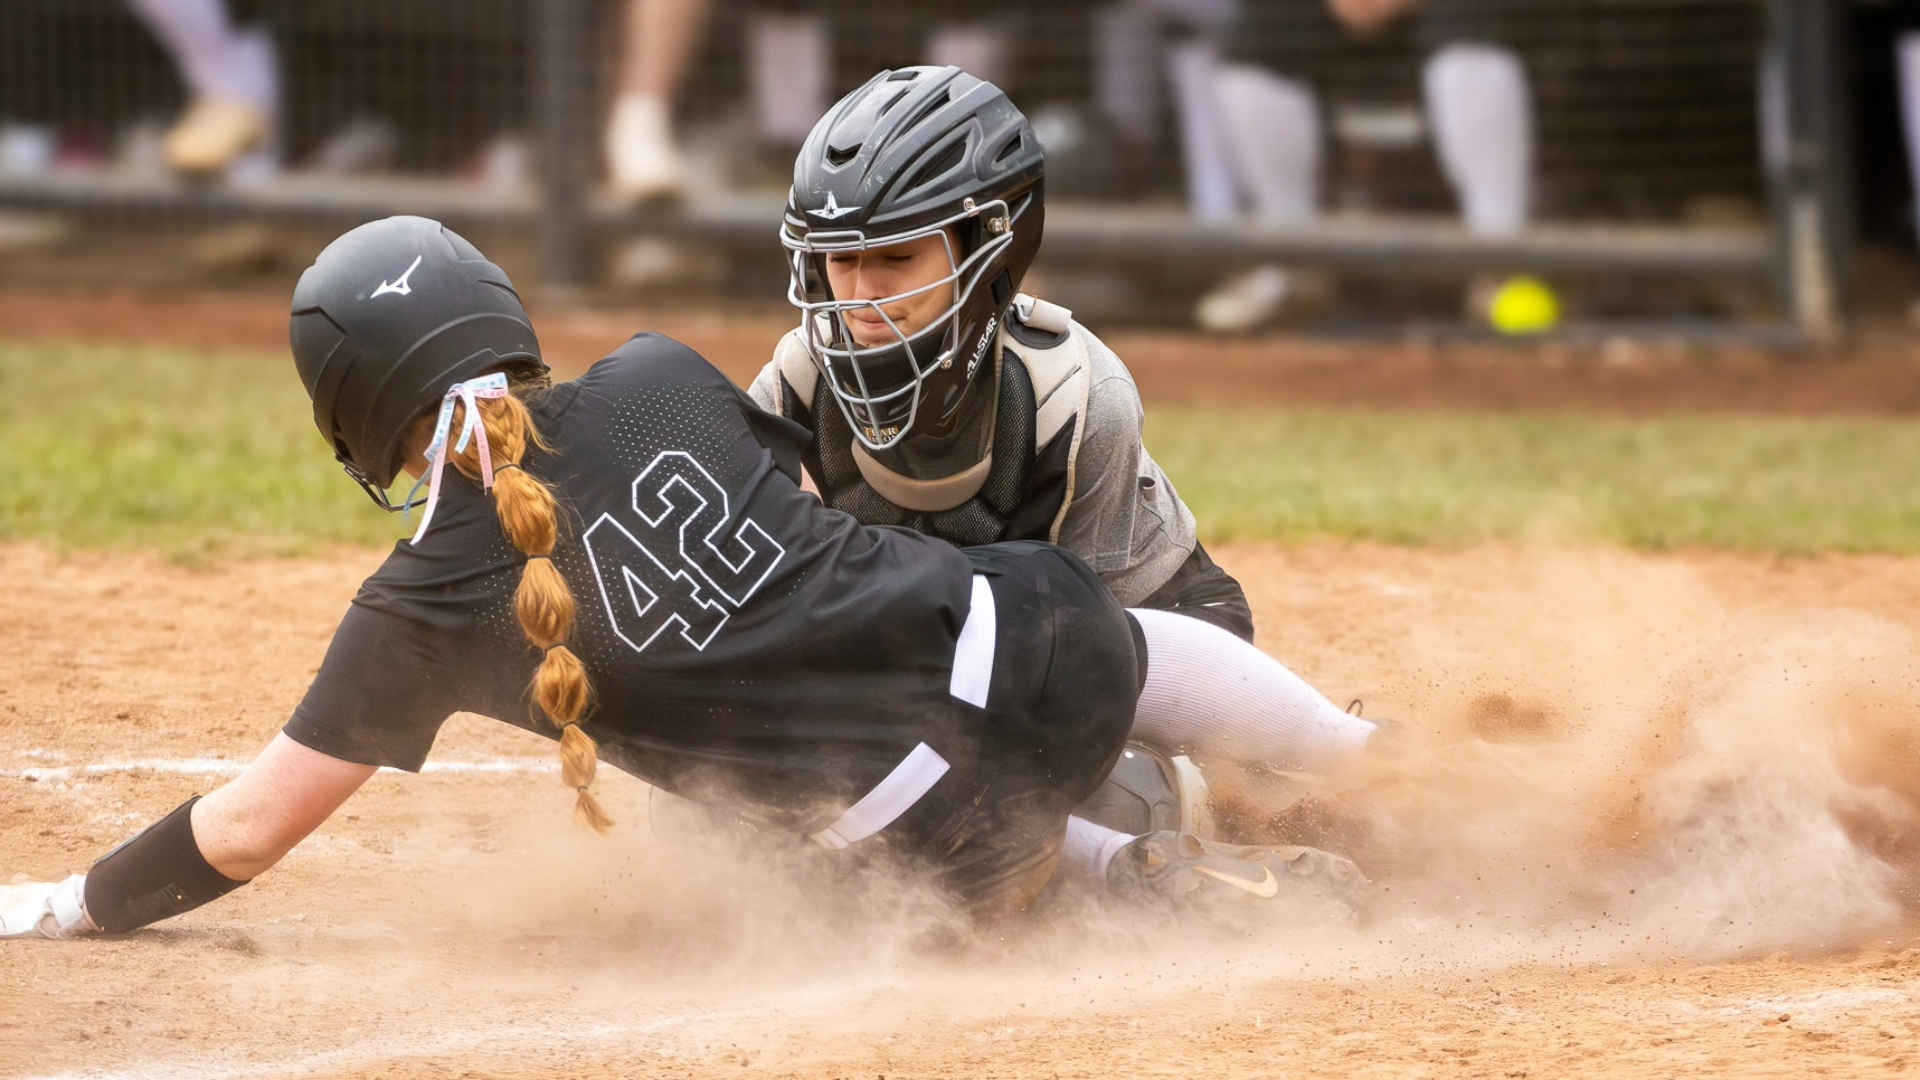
880	388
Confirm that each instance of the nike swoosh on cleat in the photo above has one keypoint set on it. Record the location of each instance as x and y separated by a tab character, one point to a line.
1265	889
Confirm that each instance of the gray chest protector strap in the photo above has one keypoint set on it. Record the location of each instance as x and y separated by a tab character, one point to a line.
981	519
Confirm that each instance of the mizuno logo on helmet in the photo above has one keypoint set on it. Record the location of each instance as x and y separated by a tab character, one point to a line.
400	286
833	209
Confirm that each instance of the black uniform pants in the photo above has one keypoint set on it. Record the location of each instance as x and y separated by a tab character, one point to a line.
1068	666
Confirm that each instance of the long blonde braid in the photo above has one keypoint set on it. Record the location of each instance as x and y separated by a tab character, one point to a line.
544	604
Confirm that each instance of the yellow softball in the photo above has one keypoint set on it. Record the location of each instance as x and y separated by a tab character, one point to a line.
1524	305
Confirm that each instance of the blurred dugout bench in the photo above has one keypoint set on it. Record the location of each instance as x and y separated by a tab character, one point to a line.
1646	113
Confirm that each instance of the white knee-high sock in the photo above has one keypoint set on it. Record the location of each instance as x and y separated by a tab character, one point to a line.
1272	128
1909	56
255	74
1212	192
1210	692
1482	119
1089	849
790	68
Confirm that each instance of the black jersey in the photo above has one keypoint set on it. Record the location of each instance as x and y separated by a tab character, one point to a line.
739	636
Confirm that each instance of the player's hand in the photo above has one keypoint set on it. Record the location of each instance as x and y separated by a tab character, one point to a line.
44	909
1368	16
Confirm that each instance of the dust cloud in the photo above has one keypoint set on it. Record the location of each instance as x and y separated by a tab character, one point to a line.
1610	772
1664	771
1634	773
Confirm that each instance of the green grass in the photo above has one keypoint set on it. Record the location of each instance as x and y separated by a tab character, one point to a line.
1745	484
195	456
168	450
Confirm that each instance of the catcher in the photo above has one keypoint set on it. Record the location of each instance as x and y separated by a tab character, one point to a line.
634	547
938	397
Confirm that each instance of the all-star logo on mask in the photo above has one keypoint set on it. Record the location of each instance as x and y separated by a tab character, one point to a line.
833	209
980	350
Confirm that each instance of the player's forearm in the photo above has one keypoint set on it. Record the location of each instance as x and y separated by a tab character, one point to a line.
240	841
249	824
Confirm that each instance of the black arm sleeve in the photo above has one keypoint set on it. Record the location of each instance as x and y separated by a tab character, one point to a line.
156	875
1204	591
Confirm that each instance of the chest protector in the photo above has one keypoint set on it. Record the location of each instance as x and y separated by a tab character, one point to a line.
1021	491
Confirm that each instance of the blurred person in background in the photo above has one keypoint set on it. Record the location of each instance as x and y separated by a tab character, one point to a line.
1251	131
1142	50
795	50
227	60
1907	57
658	40
791	59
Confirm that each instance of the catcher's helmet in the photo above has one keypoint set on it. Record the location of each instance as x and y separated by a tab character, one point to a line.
909	155
389	316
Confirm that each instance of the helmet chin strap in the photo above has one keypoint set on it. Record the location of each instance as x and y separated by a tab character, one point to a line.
486	386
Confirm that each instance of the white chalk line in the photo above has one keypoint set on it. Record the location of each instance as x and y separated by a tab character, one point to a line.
225	767
412	1046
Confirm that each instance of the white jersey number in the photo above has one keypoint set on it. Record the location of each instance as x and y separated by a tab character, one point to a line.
668	565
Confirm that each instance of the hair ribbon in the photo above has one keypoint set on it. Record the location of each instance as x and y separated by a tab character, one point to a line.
487	386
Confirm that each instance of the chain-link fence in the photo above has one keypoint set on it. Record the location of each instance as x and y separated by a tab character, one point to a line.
647	143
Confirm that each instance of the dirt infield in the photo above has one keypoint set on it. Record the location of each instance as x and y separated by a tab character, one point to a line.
1646	816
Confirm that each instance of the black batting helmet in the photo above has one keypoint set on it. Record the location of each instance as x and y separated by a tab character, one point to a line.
911	154
389	316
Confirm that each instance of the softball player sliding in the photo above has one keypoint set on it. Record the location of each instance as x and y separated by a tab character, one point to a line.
938	397
635	546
